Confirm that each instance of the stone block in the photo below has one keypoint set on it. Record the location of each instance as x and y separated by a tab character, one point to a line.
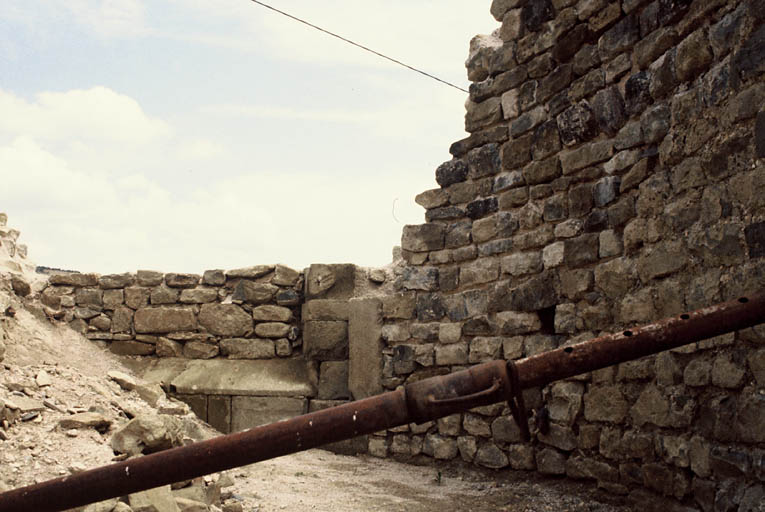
537	293
159	499
253	411
423	237
484	348
605	403
585	156
330	281
483	270
609	110
200	350
174	280
254	293
214	277
365	348
224	320
268	377
451	172
113	281
272	330
453	354
198	295
247	348
325	340
74	279
517	152
164	320
693	56
333	380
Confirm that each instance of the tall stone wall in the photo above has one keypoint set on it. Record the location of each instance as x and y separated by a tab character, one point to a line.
613	176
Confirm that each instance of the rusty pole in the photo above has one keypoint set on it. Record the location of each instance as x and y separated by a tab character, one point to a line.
421	401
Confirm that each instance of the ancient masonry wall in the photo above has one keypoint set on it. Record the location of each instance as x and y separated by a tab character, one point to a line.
614	175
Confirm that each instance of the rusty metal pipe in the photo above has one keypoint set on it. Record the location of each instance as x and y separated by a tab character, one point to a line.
638	342
418	402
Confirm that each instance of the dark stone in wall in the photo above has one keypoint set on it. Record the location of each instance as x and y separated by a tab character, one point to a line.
619	38
517	152
637	95
649	18
476	139
536	12
556	81
430	307
759	135
537	293
663	79
755	239
577	124
749	61
448	279
580	200
608	107
571	42
482	207
671	11
546	140
451	172
484	161
444	213
716	85
458	234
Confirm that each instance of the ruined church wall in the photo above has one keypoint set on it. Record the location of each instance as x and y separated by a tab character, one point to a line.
613	176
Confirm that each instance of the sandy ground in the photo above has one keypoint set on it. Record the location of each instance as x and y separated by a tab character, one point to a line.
317	480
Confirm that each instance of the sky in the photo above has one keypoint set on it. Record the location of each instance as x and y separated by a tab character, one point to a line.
185	135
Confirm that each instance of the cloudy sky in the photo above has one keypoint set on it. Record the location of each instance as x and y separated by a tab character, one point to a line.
183	135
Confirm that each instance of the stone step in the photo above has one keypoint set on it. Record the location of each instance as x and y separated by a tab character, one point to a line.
266	377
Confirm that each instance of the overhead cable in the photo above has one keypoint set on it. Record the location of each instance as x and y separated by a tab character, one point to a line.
356	44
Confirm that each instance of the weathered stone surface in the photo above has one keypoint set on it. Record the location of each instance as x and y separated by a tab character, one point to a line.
168	348
198	295
537	293
200	350
159	499
174	280
605	403
483	348
74	279
423	237
164	295
365	352
253	411
663	78
490	456
214	277
147	434
224	320
86	420
661	261
609	111
253	272
620	37
333	380
247	348
581	250
116	281
456	353
585	156
254	293
451	172
693	56
438	447
325	340
164	320
271	313
551	462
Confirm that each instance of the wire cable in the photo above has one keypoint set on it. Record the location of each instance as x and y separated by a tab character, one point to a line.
262	4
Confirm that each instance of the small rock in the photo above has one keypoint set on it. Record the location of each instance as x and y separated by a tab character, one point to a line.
86	420
76	468
43	379
124	380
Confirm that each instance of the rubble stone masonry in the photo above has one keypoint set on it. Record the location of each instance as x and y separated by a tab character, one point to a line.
613	175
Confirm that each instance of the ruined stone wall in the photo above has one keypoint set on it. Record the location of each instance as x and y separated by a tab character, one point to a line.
613	176
248	313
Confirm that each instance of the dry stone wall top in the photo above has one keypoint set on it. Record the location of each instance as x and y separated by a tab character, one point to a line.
248	313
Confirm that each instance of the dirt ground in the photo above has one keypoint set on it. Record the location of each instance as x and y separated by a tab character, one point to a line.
318	480
74	370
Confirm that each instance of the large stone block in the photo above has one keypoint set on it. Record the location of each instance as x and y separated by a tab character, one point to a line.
252	411
365	347
268	377
74	279
605	403
116	281
333	380
224	320
247	348
254	293
164	320
423	237
325	340
330	281
537	293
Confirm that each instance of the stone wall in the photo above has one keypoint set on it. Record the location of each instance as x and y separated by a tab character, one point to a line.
248	313
613	176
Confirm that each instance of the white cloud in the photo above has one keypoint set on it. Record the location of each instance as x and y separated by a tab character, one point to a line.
96	114
109	18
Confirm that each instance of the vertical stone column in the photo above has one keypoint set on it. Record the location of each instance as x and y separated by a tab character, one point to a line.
365	348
